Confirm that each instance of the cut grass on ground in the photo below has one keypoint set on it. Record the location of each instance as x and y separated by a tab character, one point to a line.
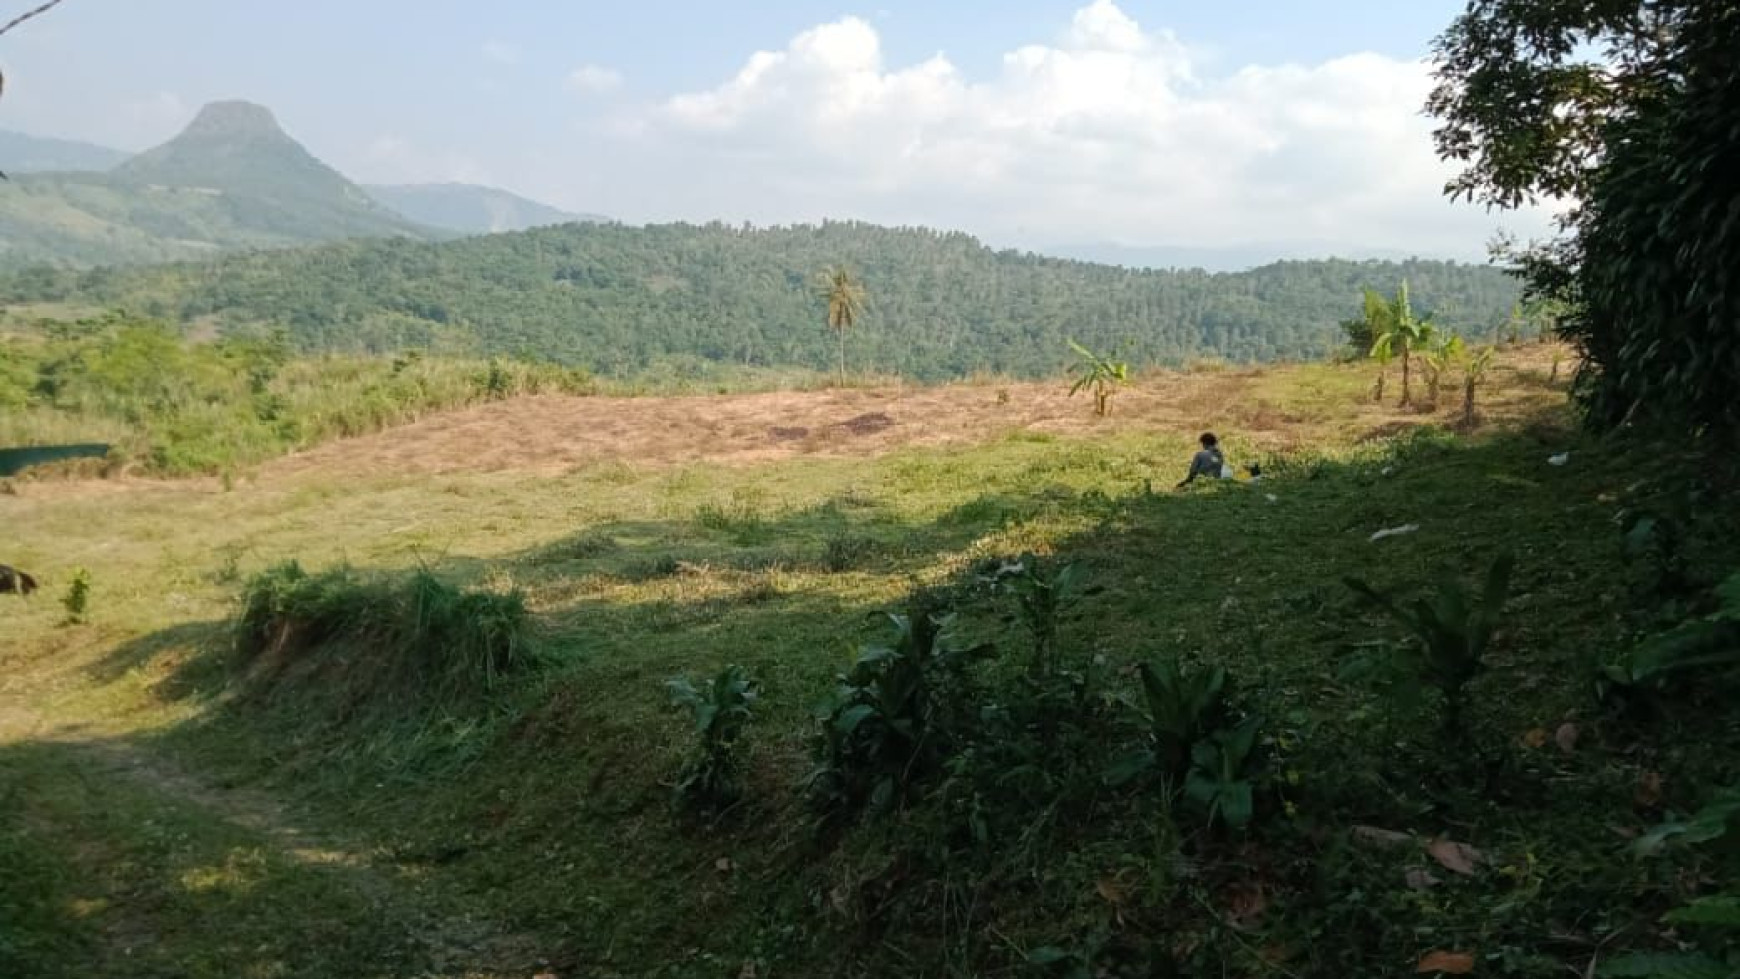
534	830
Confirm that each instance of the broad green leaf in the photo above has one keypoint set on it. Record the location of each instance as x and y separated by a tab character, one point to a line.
1722	910
847	721
1129	766
1665	965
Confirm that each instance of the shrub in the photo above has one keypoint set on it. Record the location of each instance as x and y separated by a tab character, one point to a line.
77	600
1450	637
1708	642
1711	921
1192	744
720	709
1042	596
896	715
1181	709
845	552
418	634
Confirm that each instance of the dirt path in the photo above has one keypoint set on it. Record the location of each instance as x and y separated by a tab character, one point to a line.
455	945
442	942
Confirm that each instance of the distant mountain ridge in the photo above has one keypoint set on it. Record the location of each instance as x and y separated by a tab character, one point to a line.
233	179
24	153
1231	258
470	208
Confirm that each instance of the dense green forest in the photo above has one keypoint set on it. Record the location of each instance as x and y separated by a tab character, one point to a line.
619	299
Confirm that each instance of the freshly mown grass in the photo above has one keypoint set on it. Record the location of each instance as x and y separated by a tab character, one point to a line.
549	808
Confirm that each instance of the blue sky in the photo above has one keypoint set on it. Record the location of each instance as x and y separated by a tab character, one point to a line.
1140	121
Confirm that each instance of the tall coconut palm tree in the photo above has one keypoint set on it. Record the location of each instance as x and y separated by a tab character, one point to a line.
845	296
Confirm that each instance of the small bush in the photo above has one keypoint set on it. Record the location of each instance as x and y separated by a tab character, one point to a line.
1450	637
1697	646
77	600
720	708
417	634
846	552
895	717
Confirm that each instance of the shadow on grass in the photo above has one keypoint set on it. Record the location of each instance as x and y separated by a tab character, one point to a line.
118	865
1245	574
198	648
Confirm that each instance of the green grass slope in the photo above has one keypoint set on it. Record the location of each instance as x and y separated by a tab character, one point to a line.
175	810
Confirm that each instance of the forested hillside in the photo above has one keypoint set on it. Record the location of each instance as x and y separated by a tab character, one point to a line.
618	299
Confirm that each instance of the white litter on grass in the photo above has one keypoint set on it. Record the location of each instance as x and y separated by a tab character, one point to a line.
1559	460
1406	528
1388	470
1272	498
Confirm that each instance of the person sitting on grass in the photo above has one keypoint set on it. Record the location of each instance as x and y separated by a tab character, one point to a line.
1209	463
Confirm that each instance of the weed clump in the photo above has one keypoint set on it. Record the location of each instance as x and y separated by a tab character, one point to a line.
416	635
720	708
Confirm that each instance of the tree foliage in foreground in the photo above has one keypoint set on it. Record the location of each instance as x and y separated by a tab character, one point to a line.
1629	109
618	300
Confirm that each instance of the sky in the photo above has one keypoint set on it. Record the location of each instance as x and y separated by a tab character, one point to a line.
1030	124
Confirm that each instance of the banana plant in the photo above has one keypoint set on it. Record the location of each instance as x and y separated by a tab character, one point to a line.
1451	635
1474	370
1444	354
1398	331
1103	375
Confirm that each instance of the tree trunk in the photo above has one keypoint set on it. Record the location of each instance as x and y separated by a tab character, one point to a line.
1378	389
842	334
1468	403
1406	393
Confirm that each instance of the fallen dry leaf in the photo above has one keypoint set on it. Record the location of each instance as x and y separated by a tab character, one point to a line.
1458	858
1566	737
1447	963
1110	890
1421	879
1245	905
1536	738
1380	837
1648	794
723	865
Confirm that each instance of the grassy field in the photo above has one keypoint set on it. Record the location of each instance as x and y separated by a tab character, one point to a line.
166	810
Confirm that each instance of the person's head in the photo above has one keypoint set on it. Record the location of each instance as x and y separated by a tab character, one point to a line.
1208	440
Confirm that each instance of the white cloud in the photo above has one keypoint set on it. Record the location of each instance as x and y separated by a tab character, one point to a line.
501	53
594	80
1109	132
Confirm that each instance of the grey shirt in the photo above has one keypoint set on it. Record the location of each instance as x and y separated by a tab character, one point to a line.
1207	464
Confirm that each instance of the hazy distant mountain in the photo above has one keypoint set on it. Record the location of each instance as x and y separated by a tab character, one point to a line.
470	209
232	179
23	153
1235	258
